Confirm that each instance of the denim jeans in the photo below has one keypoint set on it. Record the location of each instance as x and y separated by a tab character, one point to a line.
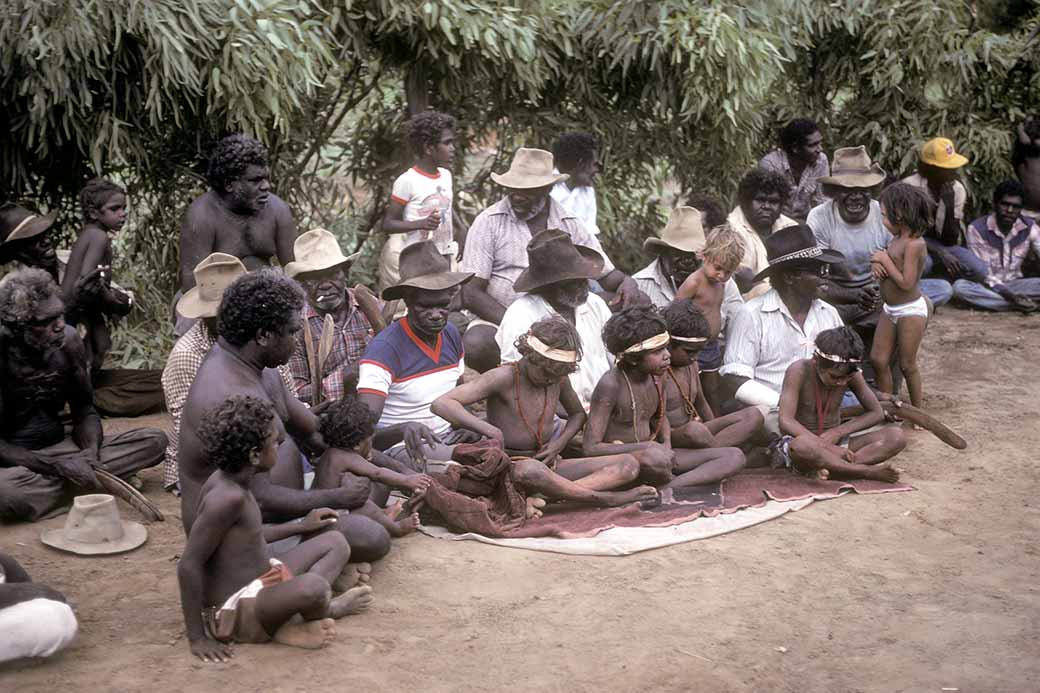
980	296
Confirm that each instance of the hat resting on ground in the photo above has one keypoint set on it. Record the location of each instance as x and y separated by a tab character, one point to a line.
18	222
939	152
315	251
94	528
552	257
794	244
423	267
530	169
852	168
684	232
215	273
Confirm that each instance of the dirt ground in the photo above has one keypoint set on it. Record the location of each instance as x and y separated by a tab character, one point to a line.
933	590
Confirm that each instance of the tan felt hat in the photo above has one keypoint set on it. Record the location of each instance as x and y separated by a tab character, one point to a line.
17	223
852	168
423	267
531	168
93	527
315	251
214	274
684	231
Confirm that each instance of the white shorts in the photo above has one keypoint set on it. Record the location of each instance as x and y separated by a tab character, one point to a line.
918	308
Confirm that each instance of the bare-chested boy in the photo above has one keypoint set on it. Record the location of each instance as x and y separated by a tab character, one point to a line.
1025	157
231	590
692	421
522	397
722	254
628	413
347	426
87	286
810	415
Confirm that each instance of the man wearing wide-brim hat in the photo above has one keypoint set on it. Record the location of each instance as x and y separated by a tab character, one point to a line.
556	282
322	270
779	327
25	238
200	304
496	249
416	360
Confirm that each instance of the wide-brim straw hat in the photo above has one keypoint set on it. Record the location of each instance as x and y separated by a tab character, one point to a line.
315	251
93	528
552	257
794	244
423	267
215	273
17	223
852	168
939	152
684	231
531	168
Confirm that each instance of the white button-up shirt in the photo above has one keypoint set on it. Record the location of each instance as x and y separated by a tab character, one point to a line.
589	320
660	288
580	201
764	339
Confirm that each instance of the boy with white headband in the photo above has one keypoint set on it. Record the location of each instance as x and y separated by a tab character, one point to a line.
522	398
629	405
815	441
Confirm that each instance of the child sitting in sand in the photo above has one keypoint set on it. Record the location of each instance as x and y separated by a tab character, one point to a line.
690	417
347	427
522	398
722	254
815	442
231	590
628	413
907	213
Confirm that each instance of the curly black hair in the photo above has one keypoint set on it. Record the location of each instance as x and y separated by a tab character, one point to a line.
346	423
96	193
685	319
1008	188
711	207
554	332
262	300
22	292
572	149
231	431
762	180
231	157
1020	151
907	204
631	326
842	342
796	132
426	128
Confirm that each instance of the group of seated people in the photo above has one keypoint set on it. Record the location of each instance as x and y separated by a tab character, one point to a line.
302	406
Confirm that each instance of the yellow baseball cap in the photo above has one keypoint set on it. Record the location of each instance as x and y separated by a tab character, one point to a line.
940	152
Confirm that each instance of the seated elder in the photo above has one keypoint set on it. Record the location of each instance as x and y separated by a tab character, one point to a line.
43	367
801	160
556	282
761	195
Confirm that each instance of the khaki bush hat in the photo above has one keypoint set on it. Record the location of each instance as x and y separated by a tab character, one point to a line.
684	231
93	527
315	251
531	168
17	223
215	273
852	168
423	267
552	257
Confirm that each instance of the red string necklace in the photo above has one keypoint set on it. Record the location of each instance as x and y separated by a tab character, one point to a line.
822	406
519	408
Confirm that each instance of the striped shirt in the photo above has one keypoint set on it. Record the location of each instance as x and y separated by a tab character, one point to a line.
1003	254
351	339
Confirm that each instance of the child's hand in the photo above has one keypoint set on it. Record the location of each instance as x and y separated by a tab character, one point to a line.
549	454
209	650
432	222
317	520
880	257
416	483
830	437
878	270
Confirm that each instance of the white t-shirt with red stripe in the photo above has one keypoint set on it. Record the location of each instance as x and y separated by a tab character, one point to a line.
421	193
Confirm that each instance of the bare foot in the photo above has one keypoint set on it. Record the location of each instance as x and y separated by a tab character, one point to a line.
310	635
405	526
534	507
353	575
882	472
639	494
353	601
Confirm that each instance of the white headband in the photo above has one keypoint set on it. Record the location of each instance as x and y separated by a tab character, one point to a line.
691	340
551	353
654	342
836	359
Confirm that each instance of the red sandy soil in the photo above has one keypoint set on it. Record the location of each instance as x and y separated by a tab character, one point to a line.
925	591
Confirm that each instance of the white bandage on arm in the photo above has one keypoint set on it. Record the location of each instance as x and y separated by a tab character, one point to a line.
755	393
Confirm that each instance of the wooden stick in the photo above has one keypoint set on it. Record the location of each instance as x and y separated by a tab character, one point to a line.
134	498
312	361
920	417
328	333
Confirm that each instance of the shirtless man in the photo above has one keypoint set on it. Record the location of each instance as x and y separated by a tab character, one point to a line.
628	408
522	397
257	324
1025	157
238	215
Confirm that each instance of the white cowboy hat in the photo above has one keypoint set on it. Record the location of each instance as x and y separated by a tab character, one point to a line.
215	273
315	251
94	528
531	168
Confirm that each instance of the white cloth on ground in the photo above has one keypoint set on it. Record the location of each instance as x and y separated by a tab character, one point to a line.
36	628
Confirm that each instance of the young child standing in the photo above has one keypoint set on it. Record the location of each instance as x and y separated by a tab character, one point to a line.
522	398
421	199
629	407
723	251
692	421
87	288
231	590
907	213
814	438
